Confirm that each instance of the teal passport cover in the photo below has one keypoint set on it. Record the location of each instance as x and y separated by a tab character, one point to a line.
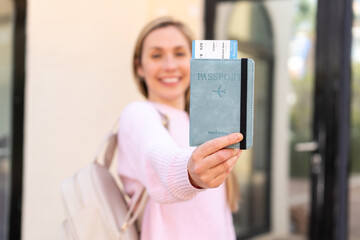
221	100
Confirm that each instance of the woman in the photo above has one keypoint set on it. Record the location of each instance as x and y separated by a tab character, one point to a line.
186	185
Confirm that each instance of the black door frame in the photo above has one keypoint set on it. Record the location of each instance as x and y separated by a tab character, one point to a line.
17	119
331	127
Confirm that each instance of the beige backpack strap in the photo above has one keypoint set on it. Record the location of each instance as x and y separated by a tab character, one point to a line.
110	150
164	119
137	206
111	140
111	143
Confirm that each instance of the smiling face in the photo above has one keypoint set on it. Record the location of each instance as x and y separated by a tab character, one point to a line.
165	66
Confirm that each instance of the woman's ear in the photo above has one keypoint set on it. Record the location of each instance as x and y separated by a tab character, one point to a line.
139	69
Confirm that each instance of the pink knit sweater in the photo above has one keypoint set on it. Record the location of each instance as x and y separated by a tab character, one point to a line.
157	158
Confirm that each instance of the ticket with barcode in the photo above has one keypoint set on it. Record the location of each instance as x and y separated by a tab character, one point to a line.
214	49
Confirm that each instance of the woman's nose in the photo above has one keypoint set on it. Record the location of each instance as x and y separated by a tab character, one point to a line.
169	63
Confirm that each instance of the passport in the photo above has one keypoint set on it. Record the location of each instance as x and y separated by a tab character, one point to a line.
221	100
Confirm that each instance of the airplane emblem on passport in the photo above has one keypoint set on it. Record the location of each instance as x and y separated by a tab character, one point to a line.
219	91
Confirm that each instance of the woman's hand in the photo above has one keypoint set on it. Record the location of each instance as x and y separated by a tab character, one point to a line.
211	163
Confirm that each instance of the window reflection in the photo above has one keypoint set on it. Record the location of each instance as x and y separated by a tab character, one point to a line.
354	183
6	30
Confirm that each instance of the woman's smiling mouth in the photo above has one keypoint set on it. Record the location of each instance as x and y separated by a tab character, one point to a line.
170	80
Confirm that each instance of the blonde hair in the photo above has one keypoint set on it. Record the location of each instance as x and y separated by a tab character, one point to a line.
232	192
232	188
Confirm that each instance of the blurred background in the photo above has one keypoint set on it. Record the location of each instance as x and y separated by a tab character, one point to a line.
65	76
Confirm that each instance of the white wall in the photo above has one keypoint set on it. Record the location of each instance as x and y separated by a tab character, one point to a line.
78	81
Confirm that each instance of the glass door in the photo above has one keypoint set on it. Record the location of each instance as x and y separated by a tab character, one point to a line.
249	23
257	27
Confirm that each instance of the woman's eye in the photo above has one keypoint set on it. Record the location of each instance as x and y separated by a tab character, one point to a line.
155	56
180	54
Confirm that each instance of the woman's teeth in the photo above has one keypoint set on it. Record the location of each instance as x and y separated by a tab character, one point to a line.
170	80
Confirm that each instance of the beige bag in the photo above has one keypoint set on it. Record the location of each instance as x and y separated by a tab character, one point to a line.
96	208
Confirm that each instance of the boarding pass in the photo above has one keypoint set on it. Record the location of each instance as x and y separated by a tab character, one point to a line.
214	49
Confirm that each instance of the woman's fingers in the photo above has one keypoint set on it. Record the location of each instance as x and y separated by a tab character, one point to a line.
218	180
209	177
221	171
224	167
201	166
216	144
220	156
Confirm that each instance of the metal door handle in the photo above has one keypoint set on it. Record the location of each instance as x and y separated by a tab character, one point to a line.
307	146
